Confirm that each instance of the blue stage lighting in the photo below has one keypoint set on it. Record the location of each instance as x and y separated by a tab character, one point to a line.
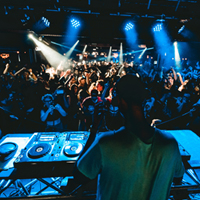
129	26
75	23
163	45
158	27
44	22
181	29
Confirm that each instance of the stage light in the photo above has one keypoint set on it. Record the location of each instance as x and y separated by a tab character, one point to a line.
72	31
158	27
84	49
142	53
75	23
181	29
121	54
30	35
129	26
53	57
40	38
131	35
109	54
25	19
176	55
164	45
68	54
6	12
45	22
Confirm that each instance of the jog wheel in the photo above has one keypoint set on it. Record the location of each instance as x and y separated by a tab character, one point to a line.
39	150
73	149
7	150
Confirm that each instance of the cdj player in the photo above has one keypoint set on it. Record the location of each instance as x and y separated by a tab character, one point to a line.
10	148
52	148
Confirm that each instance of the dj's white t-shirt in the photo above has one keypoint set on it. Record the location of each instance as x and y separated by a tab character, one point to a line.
130	169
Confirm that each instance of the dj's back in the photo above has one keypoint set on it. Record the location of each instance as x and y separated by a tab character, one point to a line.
132	169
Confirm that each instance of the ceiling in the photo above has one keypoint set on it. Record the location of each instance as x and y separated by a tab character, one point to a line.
102	20
171	8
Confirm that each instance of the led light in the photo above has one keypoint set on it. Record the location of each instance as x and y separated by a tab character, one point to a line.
129	26
75	23
158	27
30	35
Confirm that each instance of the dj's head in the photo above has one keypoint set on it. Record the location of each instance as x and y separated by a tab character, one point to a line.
131	90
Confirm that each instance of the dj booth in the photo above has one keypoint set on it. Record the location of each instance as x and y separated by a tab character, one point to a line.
38	156
49	157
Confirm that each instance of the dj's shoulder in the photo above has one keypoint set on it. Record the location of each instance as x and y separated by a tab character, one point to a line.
165	137
102	136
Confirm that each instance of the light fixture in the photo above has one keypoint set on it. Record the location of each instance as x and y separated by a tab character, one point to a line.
75	23
157	28
129	26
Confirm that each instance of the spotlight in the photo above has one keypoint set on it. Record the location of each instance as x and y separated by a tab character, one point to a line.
177	55
25	19
45	21
6	11
40	38
157	28
142	53
30	35
129	26
75	23
121	54
181	29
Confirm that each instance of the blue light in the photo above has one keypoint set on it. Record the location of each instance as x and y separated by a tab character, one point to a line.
177	56
181	29
129	26
73	29
158	27
163	45
75	23
131	34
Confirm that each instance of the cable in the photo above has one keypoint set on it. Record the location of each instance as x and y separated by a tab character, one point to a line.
174	118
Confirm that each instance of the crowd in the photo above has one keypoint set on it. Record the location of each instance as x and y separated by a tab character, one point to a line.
40	98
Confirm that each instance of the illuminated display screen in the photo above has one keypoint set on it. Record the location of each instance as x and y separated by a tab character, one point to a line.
76	137
47	137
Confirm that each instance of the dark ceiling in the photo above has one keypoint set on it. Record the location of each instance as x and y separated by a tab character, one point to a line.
102	20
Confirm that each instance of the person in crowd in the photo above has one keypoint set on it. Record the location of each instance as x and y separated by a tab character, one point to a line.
82	83
100	86
136	161
113	118
88	106
51	114
73	118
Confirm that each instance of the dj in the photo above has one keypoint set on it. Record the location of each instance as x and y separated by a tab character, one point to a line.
51	114
135	162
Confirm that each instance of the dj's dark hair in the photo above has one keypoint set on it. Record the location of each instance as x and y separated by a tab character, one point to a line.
131	89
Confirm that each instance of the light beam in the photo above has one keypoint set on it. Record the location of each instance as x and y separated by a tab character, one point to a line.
121	54
109	54
68	54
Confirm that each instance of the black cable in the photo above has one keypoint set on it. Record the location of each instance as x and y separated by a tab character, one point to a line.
174	118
